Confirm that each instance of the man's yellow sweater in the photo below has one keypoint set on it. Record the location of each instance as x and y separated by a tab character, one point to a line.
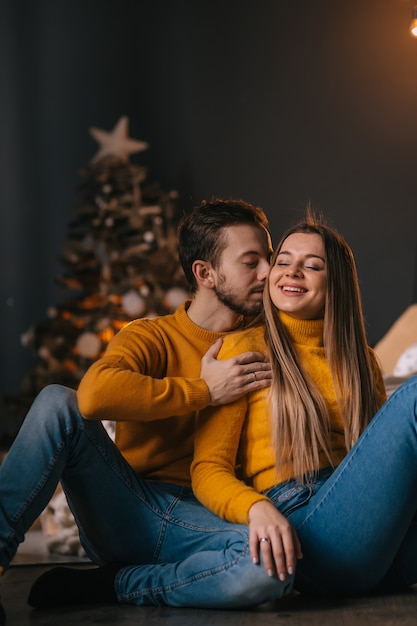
240	432
148	382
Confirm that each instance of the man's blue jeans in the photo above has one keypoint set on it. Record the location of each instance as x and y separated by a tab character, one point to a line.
183	555
357	524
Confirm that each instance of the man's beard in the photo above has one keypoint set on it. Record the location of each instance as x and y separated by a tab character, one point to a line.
242	308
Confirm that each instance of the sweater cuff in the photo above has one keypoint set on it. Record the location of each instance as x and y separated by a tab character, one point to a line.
198	393
245	503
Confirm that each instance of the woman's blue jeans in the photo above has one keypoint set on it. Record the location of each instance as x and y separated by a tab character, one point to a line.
183	555
357	524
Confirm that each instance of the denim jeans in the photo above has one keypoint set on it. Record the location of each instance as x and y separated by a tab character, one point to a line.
357	524
183	555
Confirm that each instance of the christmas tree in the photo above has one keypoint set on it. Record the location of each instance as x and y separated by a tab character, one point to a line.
120	262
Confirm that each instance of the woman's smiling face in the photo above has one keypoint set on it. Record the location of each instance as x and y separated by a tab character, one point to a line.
298	278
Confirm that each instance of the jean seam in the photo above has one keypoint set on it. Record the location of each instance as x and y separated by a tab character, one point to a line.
183	583
28	501
165	518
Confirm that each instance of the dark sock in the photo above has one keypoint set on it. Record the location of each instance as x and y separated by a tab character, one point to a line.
64	586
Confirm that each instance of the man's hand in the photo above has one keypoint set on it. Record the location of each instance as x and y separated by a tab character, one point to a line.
232	378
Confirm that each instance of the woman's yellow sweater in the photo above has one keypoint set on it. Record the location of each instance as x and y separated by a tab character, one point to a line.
240	434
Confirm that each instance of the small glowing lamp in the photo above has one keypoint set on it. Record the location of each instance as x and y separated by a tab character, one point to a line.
413	25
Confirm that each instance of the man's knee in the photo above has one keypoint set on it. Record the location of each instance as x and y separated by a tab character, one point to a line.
54	403
58	394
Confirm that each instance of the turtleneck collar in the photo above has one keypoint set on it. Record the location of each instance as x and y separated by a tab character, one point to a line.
306	332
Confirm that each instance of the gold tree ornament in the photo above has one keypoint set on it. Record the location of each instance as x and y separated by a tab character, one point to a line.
117	143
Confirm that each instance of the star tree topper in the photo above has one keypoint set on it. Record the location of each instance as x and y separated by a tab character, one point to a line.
116	143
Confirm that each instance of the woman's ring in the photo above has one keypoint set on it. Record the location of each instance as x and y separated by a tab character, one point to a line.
254	375
262	539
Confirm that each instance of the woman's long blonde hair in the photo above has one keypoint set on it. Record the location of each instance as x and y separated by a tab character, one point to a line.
300	418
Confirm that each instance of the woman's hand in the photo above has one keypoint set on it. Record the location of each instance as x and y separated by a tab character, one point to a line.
272	534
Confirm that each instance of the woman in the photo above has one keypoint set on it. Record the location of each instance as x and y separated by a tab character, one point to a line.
329	470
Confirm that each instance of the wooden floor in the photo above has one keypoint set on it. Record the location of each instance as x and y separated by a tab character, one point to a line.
297	610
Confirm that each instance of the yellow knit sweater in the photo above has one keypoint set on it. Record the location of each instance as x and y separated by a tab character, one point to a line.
239	433
148	382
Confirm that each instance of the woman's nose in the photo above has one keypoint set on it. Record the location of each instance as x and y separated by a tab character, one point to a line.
292	270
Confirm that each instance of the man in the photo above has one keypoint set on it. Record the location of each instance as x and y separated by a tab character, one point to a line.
138	519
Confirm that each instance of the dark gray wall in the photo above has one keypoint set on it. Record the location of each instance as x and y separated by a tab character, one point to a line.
275	101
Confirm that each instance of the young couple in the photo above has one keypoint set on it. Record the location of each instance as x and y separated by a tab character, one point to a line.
328	503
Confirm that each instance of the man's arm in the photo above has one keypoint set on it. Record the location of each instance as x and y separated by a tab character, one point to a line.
130	382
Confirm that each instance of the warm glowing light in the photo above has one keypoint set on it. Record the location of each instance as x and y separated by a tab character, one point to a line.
107	334
413	25
119	324
70	365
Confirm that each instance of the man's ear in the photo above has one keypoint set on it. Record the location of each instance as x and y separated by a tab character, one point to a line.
203	273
